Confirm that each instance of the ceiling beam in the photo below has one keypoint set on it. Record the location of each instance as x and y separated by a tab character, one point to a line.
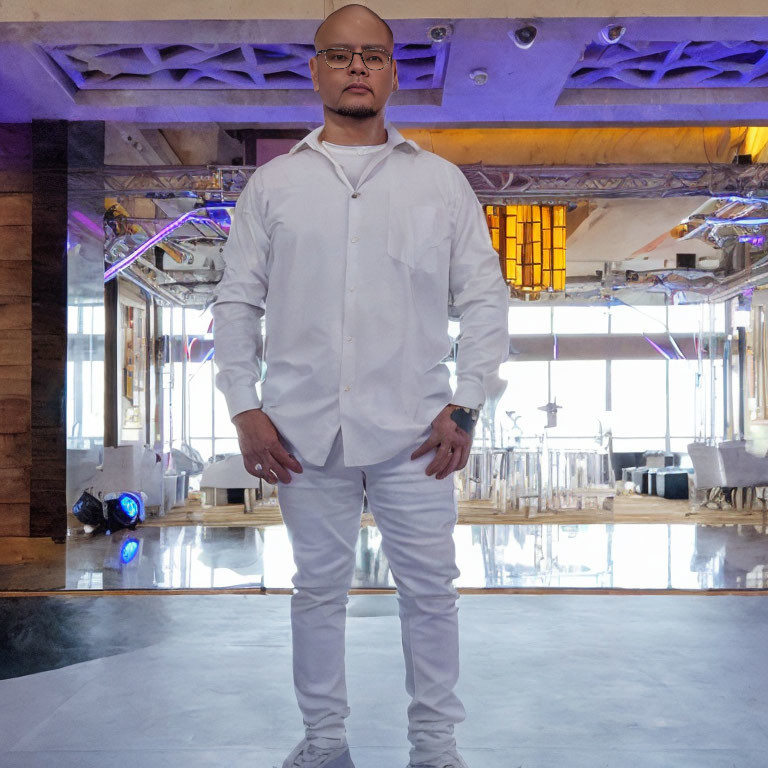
41	11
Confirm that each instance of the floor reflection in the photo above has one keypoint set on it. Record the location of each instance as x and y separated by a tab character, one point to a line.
494	556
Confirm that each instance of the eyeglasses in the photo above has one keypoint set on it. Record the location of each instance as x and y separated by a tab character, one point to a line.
341	58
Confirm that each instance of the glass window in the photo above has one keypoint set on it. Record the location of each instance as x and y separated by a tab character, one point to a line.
528	320
688	318
526	391
638	399
630	319
581	319
579	387
199	405
204	446
98	320
198	322
72	319
683	396
229	445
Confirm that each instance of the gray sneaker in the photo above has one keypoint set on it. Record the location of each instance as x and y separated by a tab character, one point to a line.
447	760
307	755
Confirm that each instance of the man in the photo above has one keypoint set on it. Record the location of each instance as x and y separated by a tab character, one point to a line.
356	247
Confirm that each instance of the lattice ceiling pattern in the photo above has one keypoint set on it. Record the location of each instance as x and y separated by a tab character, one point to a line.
692	64
223	66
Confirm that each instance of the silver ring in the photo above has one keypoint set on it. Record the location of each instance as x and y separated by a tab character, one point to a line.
258	467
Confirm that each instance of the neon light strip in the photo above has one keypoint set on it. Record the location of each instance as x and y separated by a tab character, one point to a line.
738	222
658	348
680	355
144	247
745	200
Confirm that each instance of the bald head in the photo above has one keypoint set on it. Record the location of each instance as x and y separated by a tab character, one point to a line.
348	15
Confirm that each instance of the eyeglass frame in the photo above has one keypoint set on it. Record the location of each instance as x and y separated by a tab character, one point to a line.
356	53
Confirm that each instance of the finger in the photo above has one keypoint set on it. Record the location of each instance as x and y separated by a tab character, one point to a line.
464	456
288	460
427	445
452	464
252	466
442	457
276	471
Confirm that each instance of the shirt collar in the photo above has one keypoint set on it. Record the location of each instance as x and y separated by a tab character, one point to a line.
395	140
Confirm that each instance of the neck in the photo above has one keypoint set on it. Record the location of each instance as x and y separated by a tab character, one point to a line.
339	129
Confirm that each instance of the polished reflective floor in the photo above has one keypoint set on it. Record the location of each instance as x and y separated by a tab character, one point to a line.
690	557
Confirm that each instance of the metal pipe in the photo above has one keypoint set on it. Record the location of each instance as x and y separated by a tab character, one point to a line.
742	349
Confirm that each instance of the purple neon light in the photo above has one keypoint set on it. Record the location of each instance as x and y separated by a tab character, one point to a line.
88	223
738	222
144	247
659	349
680	355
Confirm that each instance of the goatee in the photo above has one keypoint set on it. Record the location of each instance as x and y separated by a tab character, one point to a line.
360	112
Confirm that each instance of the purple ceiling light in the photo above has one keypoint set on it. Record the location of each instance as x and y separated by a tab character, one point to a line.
119	266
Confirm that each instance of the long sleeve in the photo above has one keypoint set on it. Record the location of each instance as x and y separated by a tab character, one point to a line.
240	303
480	300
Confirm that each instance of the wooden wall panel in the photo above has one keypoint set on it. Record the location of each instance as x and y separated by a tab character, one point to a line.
15	329
15	242
14	521
14	450
14	483
15	314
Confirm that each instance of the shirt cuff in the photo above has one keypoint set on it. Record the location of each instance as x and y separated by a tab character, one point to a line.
469	395
241	399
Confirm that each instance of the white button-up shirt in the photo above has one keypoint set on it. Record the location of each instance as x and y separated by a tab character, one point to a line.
356	287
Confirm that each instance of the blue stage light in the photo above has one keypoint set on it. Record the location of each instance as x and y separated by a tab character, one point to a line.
124	510
129	549
130	507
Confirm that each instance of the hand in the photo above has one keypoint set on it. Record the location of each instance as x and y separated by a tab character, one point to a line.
453	445
260	445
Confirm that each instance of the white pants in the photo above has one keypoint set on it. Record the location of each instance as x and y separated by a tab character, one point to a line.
416	515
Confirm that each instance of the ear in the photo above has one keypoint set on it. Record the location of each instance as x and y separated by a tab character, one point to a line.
313	72
395	84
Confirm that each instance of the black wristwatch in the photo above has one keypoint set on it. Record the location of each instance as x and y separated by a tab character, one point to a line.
466	418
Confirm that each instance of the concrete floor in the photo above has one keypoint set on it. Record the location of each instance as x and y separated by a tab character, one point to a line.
549	681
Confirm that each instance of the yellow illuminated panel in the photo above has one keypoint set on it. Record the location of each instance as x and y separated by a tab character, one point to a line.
530	241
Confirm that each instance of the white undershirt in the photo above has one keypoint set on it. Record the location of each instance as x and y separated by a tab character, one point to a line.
353	159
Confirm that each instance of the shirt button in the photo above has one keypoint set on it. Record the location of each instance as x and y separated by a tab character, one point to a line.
349	338
355	239
351	290
346	389
355	194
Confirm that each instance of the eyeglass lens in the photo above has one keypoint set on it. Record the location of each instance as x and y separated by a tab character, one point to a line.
339	58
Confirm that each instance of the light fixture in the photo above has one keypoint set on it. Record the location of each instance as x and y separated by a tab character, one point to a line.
530	241
478	76
524	37
123	510
112	513
89	510
612	33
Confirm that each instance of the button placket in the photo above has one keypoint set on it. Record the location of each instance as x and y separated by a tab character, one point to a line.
347	347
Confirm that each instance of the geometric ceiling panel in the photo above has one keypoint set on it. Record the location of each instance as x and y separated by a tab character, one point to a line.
227	66
691	64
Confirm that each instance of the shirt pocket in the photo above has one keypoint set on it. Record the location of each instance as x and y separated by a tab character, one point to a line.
417	235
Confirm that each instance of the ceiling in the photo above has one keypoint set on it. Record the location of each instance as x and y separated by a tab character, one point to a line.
675	70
